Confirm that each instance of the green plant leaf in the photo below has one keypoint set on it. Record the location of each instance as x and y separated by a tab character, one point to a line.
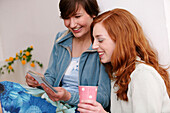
28	59
41	65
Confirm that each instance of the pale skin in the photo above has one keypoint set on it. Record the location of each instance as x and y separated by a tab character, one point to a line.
90	106
0	108
79	25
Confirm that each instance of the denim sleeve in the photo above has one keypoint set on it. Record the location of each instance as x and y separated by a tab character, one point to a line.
104	87
51	70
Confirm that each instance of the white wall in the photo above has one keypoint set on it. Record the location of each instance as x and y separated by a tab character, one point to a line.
151	15
29	22
1	53
36	22
167	10
24	23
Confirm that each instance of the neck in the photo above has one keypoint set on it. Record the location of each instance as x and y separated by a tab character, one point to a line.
80	45
83	39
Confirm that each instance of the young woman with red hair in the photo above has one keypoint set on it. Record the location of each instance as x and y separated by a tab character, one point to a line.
139	83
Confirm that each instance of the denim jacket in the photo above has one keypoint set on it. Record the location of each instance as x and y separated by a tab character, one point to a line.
91	71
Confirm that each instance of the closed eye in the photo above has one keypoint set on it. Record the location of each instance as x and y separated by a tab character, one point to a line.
100	40
77	16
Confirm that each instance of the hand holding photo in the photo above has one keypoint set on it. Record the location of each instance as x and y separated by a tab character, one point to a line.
41	79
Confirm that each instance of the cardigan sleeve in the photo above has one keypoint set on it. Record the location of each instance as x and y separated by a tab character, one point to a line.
146	92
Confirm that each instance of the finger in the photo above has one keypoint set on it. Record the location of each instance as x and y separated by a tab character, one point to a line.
48	90
29	82
28	76
87	106
81	110
32	82
91	102
51	96
44	87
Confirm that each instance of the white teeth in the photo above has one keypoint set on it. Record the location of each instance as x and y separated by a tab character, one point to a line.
101	53
76	29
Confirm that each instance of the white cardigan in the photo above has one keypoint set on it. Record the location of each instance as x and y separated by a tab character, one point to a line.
146	93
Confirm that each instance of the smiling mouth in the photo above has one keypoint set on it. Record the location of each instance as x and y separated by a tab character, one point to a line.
76	30
101	54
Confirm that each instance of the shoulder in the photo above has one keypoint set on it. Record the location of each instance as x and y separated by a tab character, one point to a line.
62	34
144	69
145	74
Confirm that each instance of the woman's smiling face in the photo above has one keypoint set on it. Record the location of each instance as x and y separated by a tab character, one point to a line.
79	23
103	43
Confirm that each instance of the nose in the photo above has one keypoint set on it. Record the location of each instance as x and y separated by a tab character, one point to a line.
73	23
95	44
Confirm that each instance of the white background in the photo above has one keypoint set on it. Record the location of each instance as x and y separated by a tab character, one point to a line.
36	22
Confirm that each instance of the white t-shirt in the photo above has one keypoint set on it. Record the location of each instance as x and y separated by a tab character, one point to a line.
70	79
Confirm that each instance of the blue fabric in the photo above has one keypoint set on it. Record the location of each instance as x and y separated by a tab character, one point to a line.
70	79
14	99
91	71
62	107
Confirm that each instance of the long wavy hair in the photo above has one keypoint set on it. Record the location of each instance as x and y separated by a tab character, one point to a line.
131	42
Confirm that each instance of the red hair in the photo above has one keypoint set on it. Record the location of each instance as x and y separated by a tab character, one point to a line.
131	42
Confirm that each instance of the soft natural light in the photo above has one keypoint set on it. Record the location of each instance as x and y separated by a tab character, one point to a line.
167	14
1	54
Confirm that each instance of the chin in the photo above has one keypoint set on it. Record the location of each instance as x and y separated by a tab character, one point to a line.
76	35
104	61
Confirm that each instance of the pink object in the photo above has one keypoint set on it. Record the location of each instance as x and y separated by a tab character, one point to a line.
87	93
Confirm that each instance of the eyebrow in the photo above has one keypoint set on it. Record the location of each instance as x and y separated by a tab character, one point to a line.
78	13
97	36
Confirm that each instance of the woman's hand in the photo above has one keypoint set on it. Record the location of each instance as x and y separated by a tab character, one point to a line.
90	106
62	93
31	81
